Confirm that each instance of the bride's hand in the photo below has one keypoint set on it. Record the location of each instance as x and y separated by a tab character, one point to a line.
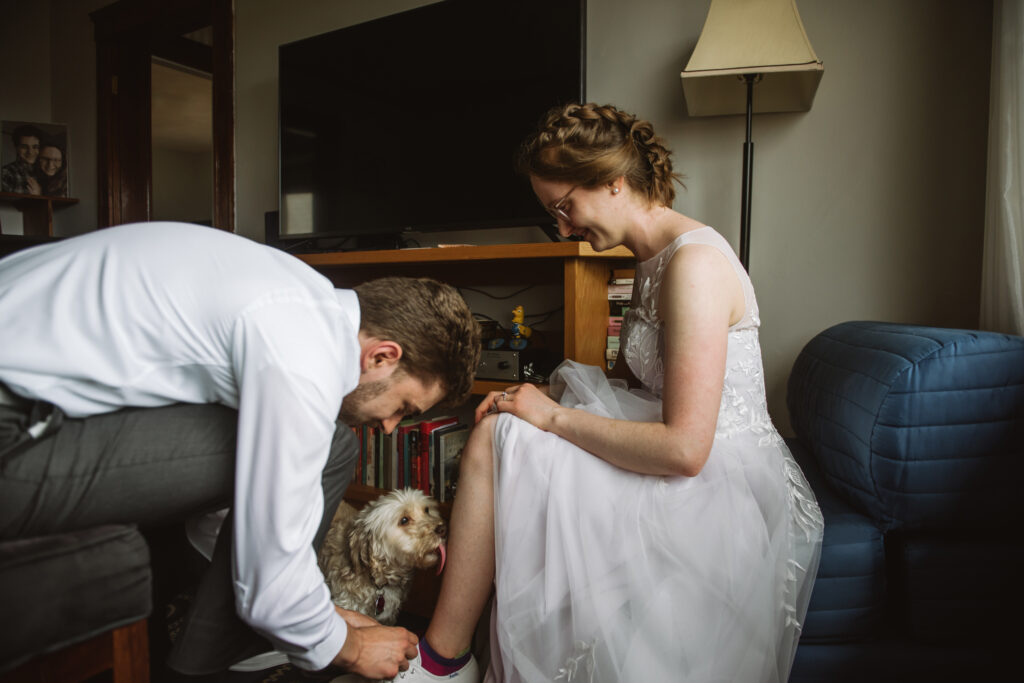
526	401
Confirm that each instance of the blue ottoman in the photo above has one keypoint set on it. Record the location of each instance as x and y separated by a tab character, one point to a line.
913	440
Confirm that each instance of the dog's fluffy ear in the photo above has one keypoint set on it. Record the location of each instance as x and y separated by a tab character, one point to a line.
368	549
360	542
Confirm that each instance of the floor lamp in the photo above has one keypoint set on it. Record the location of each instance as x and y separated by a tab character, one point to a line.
747	46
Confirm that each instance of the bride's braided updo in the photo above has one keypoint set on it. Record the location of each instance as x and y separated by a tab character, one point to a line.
592	144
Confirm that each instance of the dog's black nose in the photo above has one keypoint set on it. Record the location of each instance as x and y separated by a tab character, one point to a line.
440	530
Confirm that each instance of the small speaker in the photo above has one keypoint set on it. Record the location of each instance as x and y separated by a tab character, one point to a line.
271	227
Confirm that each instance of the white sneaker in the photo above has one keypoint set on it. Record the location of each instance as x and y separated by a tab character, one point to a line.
470	673
267	660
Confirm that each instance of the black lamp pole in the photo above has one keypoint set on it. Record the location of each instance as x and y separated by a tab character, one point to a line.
748	174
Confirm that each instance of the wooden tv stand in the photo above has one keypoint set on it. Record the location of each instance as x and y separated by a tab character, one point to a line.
582	272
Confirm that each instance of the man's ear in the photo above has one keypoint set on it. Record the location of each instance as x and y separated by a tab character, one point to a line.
379	355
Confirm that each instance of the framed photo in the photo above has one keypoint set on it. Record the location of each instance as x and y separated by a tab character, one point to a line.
34	158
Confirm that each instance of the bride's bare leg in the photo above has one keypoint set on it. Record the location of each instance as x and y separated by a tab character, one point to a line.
469	574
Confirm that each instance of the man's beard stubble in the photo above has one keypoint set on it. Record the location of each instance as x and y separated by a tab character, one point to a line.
352	405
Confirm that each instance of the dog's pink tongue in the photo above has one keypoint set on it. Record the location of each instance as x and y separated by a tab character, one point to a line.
440	565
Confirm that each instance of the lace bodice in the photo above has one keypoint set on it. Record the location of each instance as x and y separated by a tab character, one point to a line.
744	407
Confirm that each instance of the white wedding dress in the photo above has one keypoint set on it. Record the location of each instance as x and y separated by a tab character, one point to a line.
608	576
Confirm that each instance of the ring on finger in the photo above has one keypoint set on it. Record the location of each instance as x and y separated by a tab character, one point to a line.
504	396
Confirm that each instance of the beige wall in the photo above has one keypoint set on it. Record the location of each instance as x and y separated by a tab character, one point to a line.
58	84
870	206
24	83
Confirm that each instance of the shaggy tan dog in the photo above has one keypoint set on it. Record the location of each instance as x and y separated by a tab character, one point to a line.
369	557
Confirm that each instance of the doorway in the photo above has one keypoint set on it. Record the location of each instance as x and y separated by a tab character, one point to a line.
182	143
143	49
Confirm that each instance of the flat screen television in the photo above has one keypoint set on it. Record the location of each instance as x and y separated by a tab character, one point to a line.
410	122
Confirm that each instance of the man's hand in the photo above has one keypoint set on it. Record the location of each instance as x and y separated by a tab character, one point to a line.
356	619
376	652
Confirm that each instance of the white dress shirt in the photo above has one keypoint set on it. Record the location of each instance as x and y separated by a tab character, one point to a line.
159	313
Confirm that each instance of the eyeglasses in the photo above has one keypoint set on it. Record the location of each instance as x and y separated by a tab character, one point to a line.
557	210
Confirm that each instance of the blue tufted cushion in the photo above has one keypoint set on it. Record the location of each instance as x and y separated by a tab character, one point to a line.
848	601
918	427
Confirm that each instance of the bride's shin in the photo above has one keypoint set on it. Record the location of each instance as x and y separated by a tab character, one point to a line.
469	575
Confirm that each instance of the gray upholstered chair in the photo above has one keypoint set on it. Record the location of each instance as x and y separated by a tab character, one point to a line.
75	604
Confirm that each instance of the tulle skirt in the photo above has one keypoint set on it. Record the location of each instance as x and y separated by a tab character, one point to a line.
604	575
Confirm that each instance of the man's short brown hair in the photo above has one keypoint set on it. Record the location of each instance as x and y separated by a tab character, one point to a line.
439	337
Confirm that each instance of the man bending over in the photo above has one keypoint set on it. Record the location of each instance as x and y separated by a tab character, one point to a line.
153	372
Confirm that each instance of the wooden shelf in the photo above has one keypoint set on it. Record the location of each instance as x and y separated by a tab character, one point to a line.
492	252
36	211
582	273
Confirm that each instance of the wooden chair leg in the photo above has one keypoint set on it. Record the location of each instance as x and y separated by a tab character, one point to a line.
131	653
124	650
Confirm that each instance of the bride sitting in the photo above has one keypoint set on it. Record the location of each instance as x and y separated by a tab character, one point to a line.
659	533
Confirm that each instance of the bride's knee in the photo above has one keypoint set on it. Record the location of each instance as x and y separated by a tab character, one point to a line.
478	454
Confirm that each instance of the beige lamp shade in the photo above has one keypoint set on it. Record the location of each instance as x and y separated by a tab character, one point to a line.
742	37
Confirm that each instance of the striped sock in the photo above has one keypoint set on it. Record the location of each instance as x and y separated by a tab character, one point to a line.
438	665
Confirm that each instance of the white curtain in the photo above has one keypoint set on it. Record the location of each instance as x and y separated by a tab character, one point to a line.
1002	275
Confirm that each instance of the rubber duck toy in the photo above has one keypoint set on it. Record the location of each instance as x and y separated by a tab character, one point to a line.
520	331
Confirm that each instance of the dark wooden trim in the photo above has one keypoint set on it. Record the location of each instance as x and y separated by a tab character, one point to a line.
224	114
106	158
190	53
148	20
124	135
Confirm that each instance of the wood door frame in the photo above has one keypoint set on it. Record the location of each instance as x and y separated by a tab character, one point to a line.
128	34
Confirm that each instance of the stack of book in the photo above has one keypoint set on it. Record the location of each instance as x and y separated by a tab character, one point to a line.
620	291
421	453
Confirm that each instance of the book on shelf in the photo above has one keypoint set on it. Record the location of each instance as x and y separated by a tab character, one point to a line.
421	453
370	451
623	276
618	292
448	442
357	475
404	451
620	295
425	463
380	459
387	459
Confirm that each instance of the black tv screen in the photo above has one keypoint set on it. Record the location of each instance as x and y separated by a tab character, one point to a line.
411	121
